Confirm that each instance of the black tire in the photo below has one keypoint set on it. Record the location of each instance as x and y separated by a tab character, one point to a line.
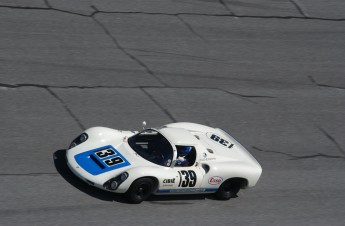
228	190
140	190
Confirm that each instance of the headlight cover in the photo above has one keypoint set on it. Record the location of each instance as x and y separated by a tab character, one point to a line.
80	139
115	182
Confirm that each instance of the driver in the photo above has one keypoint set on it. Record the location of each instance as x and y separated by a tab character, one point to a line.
182	153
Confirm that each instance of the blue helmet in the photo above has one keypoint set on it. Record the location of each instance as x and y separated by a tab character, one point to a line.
184	150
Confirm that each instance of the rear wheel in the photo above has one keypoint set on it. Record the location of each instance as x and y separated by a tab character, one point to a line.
228	190
140	190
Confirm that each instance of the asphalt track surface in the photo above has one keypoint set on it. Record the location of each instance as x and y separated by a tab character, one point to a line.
271	73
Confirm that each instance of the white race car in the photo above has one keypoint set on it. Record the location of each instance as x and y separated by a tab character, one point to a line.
178	158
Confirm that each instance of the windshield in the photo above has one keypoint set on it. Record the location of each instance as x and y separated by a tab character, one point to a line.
152	146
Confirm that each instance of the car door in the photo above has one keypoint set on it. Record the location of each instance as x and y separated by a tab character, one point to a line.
189	179
189	176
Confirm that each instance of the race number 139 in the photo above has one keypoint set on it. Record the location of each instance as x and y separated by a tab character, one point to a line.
187	178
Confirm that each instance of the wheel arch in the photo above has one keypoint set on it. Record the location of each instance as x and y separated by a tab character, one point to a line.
241	181
154	179
155	183
136	173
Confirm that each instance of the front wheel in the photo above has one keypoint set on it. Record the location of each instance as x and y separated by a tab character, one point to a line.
140	190
228	190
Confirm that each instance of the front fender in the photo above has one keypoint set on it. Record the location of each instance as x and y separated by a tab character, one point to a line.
103	134
135	173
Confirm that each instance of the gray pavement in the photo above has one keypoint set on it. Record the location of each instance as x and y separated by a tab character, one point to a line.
271	73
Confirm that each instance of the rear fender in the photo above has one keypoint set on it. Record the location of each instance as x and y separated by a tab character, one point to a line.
233	169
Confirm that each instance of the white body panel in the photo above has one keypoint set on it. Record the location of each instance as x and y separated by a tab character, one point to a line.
106	154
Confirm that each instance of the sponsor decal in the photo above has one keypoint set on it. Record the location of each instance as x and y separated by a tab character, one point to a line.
215	180
220	140
208	159
169	181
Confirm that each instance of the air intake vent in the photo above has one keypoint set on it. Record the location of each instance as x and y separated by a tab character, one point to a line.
210	150
205	167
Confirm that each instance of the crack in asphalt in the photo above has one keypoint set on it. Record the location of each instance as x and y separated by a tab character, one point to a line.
330	86
253	96
242	96
311	78
299	157
223	3
173	14
239	96
245	97
299	8
224	15
117	44
68	110
72	87
190	28
333	140
142	88
47	3
187	56
44	8
172	118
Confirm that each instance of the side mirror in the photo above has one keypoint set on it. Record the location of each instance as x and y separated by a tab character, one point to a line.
144	124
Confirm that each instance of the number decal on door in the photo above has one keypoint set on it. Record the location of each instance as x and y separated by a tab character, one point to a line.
187	178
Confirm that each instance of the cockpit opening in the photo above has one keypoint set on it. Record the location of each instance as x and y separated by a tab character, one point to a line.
152	146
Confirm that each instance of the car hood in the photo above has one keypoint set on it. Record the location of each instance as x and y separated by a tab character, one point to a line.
106	153
102	159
